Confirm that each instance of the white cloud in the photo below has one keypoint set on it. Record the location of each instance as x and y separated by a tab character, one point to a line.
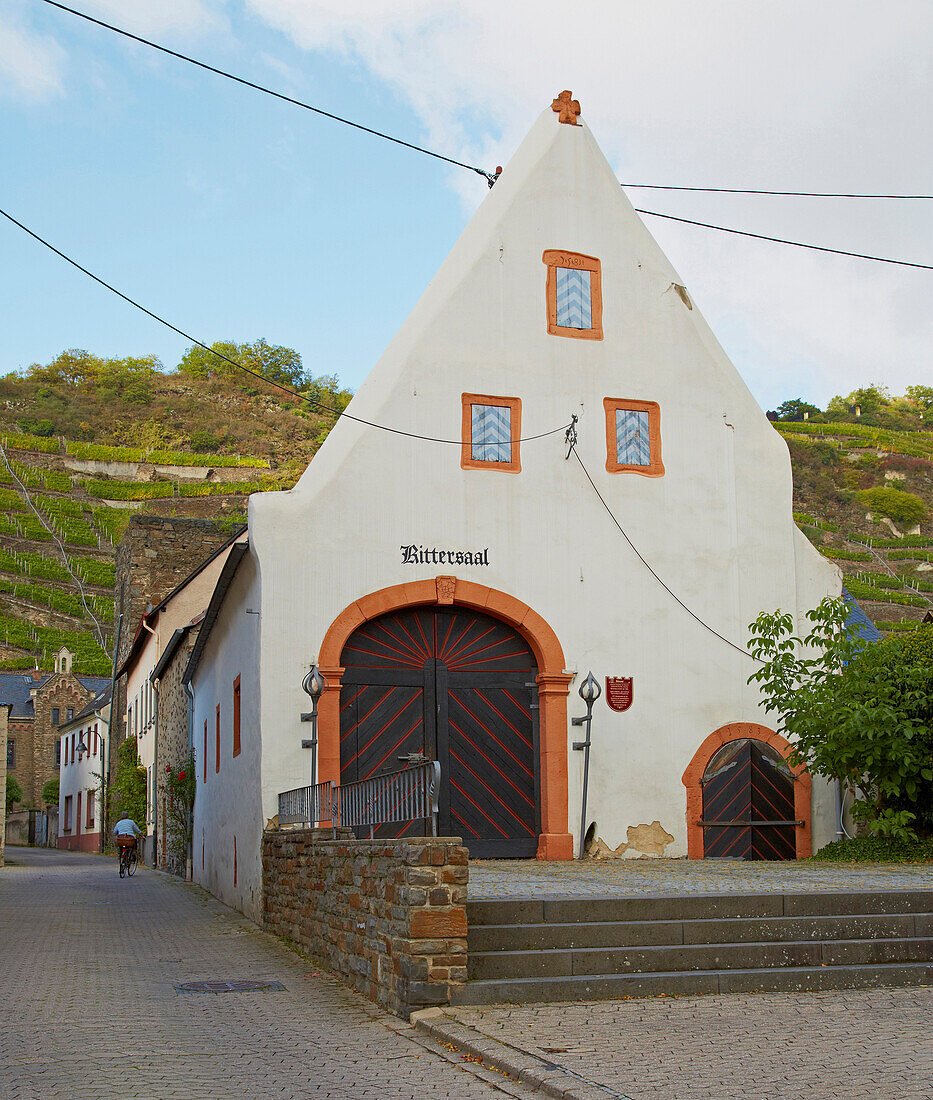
779	94
188	18
30	64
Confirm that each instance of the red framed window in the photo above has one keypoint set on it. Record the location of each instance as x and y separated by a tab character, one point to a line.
217	740
68	802
236	716
633	437
491	428
72	748
204	758
78	815
90	809
574	294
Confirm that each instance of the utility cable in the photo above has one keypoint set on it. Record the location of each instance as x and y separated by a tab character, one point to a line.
489	176
634	548
233	363
752	191
782	240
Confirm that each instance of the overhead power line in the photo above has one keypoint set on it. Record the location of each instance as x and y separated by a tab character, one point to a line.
233	362
641	558
782	240
754	191
489	176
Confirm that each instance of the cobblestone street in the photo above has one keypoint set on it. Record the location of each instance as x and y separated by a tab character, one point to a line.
872	1044
88	965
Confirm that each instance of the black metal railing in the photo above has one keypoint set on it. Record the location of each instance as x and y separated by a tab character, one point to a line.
410	794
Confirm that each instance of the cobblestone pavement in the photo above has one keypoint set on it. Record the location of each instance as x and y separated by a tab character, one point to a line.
87	970
874	1044
492	878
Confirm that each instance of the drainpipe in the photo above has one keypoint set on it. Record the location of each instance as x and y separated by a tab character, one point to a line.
155	762
189	869
105	778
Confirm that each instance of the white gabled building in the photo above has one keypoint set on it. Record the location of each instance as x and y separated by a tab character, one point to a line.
456	594
83	755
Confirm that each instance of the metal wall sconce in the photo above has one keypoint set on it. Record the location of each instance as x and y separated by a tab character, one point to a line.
313	684
590	691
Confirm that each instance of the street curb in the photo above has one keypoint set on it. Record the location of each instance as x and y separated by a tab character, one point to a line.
547	1077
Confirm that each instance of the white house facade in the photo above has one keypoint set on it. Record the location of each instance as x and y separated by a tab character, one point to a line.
83	755
457	583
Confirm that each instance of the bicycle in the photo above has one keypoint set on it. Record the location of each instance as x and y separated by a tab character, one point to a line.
129	855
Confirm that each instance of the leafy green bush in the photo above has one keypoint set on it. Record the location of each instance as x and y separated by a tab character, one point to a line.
900	625
896	504
102	573
24	525
220	488
127	795
14	792
50	792
111	521
858	712
876	849
900	555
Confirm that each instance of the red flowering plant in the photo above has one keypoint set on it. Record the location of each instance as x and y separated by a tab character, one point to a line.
179	789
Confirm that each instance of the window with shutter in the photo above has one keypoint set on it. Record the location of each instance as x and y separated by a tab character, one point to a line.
491	430
574	295
633	437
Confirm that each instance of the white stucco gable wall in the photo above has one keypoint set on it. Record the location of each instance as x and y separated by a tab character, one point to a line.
717	527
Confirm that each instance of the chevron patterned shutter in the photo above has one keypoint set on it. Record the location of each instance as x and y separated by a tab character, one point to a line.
574	308
633	443
492	432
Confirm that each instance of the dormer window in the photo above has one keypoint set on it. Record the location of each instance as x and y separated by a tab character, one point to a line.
574	295
491	430
633	437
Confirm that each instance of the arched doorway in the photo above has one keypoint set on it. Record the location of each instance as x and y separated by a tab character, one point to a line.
740	775
555	841
748	803
451	684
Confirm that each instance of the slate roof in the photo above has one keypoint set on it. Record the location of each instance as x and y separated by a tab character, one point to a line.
857	621
15	688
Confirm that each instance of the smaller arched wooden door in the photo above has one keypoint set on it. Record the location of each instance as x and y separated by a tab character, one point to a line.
748	803
456	686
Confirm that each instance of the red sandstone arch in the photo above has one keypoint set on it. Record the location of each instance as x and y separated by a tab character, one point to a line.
553	685
736	731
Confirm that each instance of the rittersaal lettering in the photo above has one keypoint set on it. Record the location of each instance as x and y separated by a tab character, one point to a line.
431	555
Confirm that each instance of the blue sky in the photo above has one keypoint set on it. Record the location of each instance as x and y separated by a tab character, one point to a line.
237	216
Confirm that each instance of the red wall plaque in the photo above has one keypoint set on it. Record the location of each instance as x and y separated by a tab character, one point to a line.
619	692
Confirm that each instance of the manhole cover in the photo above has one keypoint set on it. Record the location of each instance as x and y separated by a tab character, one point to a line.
228	987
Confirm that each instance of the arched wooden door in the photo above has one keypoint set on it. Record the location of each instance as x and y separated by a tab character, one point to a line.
748	803
453	685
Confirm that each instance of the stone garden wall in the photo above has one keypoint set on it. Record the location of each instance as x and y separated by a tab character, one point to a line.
388	917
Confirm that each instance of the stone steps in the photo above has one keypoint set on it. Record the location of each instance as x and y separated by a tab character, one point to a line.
589	949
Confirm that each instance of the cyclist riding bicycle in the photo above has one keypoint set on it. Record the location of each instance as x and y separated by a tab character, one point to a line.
126	833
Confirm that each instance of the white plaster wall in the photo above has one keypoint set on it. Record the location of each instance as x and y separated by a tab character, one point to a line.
227	806
717	528
84	774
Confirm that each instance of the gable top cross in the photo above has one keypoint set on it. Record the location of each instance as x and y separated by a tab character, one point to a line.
567	107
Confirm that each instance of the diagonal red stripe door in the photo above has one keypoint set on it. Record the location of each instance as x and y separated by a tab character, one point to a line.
458	687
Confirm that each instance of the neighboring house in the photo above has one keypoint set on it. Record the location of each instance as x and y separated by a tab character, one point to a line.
174	732
455	595
154	633
4	719
39	703
83	751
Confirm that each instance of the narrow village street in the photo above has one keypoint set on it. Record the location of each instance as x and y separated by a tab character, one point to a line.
88	969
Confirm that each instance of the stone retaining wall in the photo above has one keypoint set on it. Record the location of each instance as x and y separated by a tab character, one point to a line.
388	917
